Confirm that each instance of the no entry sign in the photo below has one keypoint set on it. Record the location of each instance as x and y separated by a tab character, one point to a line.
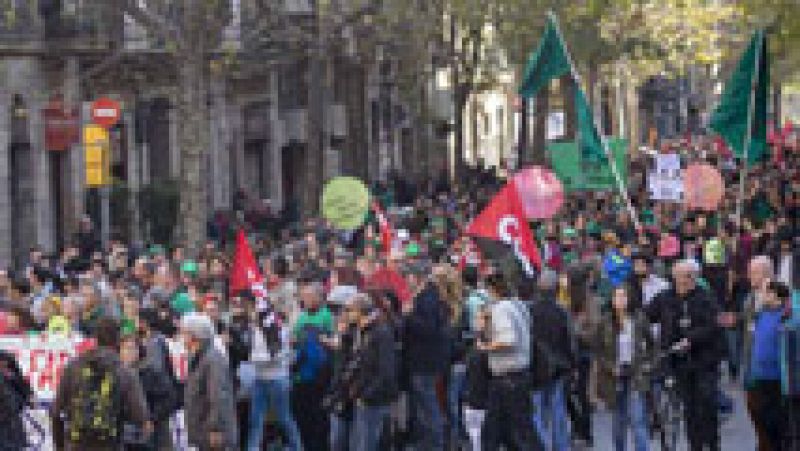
105	112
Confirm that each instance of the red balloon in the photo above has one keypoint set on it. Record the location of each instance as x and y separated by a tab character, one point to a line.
540	191
703	187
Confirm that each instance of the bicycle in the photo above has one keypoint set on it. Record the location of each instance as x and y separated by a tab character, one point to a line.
667	406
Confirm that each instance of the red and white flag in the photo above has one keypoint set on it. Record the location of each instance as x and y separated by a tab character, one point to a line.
503	220
385	228
245	274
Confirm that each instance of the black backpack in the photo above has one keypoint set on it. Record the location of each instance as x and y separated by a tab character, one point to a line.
94	414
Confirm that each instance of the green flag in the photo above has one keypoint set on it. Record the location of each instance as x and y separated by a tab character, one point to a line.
550	61
730	117
588	139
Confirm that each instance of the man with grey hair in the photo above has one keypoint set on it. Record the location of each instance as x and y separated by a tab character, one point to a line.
759	272
209	399
553	357
690	329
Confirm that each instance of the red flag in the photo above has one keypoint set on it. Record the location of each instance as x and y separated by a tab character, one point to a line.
245	274
386	232
504	220
721	147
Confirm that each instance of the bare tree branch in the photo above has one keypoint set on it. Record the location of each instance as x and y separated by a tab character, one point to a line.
153	21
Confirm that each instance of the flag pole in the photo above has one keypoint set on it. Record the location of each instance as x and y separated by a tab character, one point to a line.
611	160
751	107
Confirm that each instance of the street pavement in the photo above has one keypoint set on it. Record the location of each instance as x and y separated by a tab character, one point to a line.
737	432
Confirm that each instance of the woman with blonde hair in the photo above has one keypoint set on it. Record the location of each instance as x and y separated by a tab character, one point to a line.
451	290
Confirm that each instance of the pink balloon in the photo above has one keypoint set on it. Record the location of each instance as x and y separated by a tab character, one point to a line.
540	191
703	187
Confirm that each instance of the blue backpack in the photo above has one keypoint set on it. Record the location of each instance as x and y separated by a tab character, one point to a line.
312	357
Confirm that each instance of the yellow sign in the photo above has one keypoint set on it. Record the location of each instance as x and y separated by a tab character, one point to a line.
96	155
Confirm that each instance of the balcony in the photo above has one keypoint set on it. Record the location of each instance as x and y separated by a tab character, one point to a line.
34	26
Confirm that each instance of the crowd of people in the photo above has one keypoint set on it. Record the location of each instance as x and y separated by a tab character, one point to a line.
428	344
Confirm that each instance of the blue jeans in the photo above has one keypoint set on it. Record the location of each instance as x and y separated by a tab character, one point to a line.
425	411
455	390
733	340
630	411
550	418
341	433
277	392
368	426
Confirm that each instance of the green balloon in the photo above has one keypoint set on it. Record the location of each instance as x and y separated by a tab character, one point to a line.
345	202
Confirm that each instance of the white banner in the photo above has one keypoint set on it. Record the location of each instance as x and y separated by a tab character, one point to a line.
42	358
666	181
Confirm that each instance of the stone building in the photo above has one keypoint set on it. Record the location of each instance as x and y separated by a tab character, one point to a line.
265	120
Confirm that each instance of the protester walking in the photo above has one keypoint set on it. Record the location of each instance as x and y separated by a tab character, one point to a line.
763	368
15	396
508	348
97	396
690	329
313	338
209	408
426	341
553	351
376	386
271	356
624	358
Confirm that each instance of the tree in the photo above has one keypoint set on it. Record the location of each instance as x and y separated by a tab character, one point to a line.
192	32
191	29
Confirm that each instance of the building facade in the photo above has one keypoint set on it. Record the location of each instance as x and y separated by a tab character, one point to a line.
265	120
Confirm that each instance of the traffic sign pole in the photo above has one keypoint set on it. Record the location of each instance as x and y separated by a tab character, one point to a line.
105	114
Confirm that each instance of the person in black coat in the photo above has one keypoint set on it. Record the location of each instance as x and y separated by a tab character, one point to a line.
688	316
426	349
15	393
376	385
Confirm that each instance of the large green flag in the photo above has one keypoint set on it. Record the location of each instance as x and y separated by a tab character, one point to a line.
550	61
588	138
730	117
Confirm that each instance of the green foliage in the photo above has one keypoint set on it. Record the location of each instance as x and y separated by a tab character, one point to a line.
782	21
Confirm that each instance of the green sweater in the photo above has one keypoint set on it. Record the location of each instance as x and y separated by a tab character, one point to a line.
321	319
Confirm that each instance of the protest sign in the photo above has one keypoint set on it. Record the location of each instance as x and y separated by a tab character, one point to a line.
578	174
42	358
345	202
666	181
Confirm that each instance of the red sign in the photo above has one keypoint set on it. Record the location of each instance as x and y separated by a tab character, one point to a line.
60	126
105	112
